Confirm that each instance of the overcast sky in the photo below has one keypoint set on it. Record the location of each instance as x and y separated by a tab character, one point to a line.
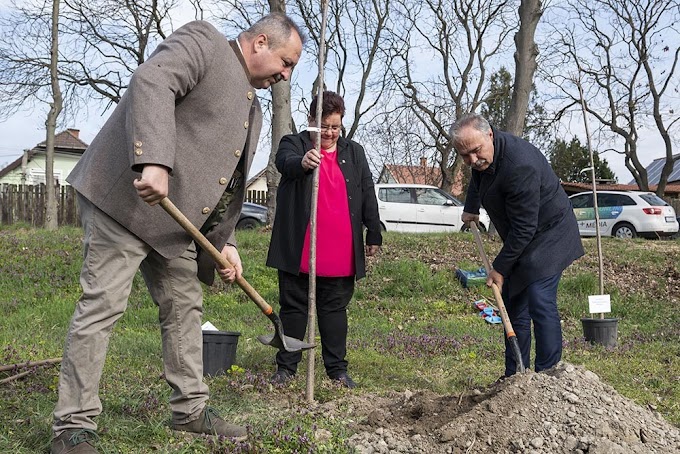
27	128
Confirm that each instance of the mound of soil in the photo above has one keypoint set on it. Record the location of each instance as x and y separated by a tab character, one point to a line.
565	410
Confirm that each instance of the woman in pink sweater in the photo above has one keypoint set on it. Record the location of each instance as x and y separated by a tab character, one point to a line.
346	204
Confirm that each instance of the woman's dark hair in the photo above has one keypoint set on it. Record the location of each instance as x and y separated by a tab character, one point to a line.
332	103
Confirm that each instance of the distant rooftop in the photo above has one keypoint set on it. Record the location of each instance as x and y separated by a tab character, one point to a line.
655	168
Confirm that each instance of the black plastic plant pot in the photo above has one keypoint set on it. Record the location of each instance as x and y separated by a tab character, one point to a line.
603	331
219	351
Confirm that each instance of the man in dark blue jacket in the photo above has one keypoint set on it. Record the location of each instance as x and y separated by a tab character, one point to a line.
514	182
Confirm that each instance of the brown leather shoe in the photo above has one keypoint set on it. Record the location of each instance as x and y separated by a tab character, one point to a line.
74	441
210	423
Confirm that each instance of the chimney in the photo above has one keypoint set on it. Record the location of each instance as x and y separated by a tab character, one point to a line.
74	132
423	162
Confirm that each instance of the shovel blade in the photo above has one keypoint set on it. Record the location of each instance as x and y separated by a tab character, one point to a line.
286	343
280	340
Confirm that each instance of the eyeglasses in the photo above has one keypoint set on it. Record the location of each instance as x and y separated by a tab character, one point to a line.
333	129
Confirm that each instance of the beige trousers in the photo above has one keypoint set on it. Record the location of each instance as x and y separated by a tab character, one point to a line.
112	256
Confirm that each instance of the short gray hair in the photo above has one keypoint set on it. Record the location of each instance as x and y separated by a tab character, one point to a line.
475	120
277	27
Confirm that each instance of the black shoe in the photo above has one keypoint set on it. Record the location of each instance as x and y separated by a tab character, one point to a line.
345	380
281	377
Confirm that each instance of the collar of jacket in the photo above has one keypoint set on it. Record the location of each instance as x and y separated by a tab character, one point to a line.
239	55
498	151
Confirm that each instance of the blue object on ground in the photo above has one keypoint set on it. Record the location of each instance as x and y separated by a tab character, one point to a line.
471	278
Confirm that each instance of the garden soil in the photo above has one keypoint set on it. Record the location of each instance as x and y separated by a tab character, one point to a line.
564	410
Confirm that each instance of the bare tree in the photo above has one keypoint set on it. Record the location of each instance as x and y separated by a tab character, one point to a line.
108	39
51	219
457	41
357	58
25	58
101	44
359	53
526	51
282	124
625	54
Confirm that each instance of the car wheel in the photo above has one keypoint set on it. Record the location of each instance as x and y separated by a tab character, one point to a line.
247	224
624	230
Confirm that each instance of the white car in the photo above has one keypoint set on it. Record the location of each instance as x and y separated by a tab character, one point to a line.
421	208
624	214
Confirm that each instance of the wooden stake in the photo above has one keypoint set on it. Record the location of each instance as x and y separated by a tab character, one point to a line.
311	319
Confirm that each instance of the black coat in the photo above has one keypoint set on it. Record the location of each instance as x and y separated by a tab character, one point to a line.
531	211
294	195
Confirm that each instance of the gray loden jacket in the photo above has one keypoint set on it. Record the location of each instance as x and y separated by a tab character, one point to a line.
190	107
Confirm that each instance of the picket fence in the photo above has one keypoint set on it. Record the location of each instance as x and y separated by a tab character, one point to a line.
26	204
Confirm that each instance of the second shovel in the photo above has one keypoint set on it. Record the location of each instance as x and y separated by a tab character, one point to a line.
509	332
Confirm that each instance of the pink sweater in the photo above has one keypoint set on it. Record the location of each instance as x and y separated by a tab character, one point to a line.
334	247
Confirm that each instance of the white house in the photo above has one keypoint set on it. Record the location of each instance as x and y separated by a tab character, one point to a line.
256	188
30	168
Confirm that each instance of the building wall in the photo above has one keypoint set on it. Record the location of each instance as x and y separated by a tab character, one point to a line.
259	185
35	170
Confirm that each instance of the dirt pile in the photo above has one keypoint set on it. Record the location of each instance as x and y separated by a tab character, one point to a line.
567	410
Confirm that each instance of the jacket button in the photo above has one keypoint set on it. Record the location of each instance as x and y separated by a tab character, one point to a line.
347	180
237	153
342	162
138	151
223	180
206	210
138	143
245	124
250	95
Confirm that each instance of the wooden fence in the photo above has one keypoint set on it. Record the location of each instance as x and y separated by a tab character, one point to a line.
26	203
259	197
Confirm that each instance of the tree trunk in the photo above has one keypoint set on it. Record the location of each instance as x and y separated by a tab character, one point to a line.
282	124
530	12
51	219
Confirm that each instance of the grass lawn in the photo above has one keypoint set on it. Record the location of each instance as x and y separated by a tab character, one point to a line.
411	327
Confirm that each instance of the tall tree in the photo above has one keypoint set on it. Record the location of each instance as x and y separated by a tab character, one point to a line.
568	160
626	55
282	124
51	217
497	109
101	44
496	105
457	40
359	53
526	51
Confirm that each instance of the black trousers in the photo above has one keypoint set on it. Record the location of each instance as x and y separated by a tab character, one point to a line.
333	294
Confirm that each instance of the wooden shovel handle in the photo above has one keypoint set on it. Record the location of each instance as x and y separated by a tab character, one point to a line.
509	332
207	246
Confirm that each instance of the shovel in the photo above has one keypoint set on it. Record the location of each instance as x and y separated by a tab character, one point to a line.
509	332
278	339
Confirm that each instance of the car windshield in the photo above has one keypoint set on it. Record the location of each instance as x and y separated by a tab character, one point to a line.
448	196
653	200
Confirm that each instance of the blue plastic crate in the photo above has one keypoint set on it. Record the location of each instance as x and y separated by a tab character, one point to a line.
471	278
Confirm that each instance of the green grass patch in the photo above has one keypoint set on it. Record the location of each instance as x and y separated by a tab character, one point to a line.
412	326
